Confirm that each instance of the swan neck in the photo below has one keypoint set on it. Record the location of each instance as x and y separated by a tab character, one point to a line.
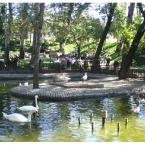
29	116
36	103
5	115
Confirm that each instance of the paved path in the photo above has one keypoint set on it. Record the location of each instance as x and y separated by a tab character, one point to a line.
15	76
55	92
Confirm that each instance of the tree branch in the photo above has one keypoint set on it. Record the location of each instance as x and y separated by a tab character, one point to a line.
141	10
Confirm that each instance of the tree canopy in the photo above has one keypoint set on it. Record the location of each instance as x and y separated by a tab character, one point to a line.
76	28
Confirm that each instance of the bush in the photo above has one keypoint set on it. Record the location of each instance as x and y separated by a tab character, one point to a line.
28	43
24	63
44	46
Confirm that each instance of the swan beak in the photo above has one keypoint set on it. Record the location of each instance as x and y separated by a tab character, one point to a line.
37	114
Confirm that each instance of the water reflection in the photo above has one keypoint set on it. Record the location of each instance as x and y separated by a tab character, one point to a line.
59	121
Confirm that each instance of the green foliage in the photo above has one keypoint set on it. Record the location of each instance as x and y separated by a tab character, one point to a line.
109	50
28	43
69	48
24	63
64	19
44	46
121	29
1	54
49	64
70	23
24	24
109	47
46	61
89	48
119	21
85	33
56	23
140	53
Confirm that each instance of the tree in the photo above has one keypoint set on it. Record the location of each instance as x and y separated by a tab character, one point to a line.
130	13
62	19
8	26
38	22
118	25
95	65
21	25
123	40
2	19
85	32
127	61
79	34
23	28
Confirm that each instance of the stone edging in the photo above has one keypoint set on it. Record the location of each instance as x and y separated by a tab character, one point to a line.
55	93
61	92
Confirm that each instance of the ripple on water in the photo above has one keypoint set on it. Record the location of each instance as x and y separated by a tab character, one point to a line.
59	121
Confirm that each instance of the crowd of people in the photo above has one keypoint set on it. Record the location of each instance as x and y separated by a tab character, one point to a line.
81	63
70	62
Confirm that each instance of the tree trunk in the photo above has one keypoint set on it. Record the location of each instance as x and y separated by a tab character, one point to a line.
36	52
21	48
8	34
127	61
119	45
124	41
69	13
78	46
6	58
30	37
38	22
61	46
79	51
23	30
2	20
130	13
96	66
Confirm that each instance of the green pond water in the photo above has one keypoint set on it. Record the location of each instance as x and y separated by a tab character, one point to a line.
58	121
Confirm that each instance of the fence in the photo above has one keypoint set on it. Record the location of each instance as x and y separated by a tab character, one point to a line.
134	72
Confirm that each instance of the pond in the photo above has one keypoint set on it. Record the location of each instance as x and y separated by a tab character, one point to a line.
58	121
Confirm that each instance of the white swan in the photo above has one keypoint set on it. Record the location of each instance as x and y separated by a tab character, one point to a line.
30	108
85	77
135	109
20	84
26	84
142	101
16	117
